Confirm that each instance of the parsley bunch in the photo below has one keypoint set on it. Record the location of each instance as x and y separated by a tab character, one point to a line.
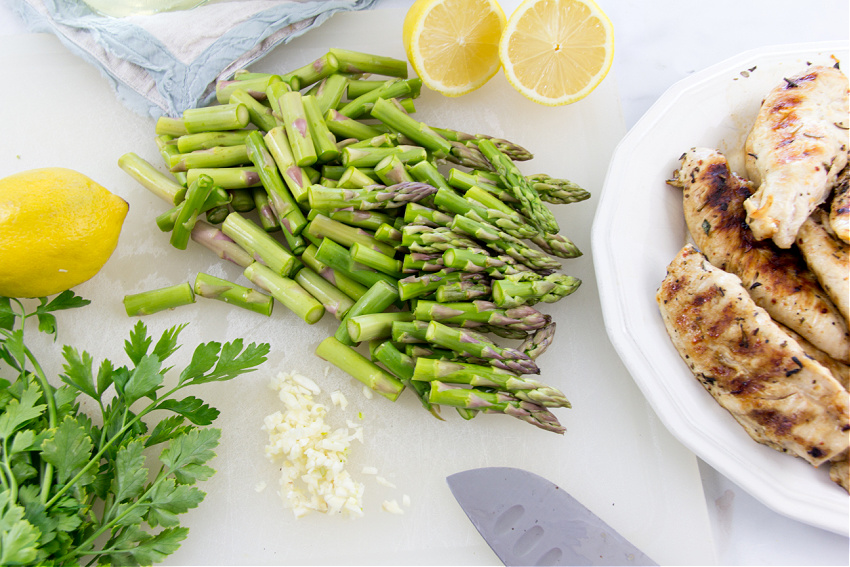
72	490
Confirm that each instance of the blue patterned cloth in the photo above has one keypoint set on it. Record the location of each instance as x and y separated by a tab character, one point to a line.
165	63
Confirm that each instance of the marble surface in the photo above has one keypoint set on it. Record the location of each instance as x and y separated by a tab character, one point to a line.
657	44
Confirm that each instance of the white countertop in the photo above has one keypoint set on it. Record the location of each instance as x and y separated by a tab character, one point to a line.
657	44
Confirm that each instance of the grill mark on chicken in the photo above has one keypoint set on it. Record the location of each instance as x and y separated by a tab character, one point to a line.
778	280
759	374
795	150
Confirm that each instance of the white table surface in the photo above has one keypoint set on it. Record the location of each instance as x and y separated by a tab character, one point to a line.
657	44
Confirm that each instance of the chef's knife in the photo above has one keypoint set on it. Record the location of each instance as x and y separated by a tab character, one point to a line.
528	520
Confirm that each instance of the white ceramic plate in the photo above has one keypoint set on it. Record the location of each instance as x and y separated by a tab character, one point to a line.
639	228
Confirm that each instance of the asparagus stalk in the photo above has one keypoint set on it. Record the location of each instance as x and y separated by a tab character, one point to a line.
530	204
218	156
323	140
330	92
388	234
371	326
273	94
151	178
287	291
376	260
372	156
462	291
417	286
168	126
224	247
549	289
478	312
338	258
217	198
345	284
297	128
258	243
325	227
212	287
417	214
356	178
344	127
216	215
510	222
313	72
260	115
415	262
289	215
265	212
352	362
228	177
494	402
335	301
476	375
356	62
427	172
504	242
156	300
402	366
409	332
187	215
253	85
369	198
376	300
168	149
395	88
421	134
470	344
556	245
296	178
220	117
391	171
367	220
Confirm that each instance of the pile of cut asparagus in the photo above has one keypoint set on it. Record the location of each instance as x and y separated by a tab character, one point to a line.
426	244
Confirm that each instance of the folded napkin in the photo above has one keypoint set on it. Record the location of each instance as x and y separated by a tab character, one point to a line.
164	63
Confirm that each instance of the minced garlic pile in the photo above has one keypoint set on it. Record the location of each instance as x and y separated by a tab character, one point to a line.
313	475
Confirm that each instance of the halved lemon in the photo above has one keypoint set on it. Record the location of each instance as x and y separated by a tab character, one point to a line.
453	45
556	52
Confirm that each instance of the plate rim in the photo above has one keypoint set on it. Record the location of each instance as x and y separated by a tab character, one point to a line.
767	490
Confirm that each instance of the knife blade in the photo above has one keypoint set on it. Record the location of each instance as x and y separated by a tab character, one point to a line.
528	520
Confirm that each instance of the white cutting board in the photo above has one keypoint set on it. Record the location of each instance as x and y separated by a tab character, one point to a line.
616	457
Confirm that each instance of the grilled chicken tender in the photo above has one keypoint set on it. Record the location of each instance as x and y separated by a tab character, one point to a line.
838	471
828	258
783	398
778	280
839	209
797	146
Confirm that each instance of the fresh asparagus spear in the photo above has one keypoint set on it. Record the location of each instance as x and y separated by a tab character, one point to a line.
530	204
376	300
369	198
217	197
156	300
494	402
346	285
557	191
287	291
502	241
338	258
402	366
218	156
212	287
356	62
371	326
322	226
421	134
255	86
344	127
476	375
335	301
471	344
260	115
297	128
324	141
258	243
549	289
187	215
478	312
224	247
228	177
313	72
220	117
168	126
369	257
151	178
330	91
355	364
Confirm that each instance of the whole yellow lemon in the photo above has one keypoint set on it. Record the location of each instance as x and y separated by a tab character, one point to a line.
57	229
